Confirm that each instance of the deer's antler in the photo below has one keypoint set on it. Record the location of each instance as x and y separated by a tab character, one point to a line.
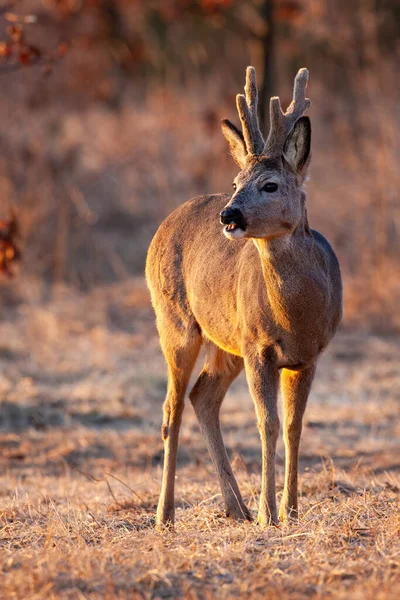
247	109
281	124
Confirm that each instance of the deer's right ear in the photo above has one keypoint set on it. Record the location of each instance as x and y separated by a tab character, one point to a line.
236	142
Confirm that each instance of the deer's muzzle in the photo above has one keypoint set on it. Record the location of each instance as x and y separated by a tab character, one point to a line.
233	219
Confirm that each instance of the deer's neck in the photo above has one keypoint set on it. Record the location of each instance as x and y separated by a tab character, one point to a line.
283	263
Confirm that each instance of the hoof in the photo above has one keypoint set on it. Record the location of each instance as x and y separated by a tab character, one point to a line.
164	527
265	521
165	519
239	513
288	515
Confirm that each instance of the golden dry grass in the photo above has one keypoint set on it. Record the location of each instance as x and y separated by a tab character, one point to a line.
82	383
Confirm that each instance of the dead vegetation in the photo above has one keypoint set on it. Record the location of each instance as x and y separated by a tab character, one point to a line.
83	381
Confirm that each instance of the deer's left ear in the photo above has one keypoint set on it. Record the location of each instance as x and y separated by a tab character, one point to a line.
298	146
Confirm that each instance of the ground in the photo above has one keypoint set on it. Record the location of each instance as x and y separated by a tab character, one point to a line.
82	382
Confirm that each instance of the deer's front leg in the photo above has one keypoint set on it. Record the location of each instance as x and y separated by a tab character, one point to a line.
295	389
262	377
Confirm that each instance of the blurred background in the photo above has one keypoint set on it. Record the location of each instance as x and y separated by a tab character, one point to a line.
110	119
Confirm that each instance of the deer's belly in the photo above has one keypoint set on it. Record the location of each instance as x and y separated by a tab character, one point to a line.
225	338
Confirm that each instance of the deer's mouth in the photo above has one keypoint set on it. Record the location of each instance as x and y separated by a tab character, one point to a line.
235	224
232	226
233	231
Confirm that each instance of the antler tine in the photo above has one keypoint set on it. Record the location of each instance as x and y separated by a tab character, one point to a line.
247	109
250	89
281	124
300	103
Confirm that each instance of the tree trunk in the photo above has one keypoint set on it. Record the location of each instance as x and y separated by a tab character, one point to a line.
267	42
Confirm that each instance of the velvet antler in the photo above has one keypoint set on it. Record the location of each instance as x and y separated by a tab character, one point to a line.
247	109
281	124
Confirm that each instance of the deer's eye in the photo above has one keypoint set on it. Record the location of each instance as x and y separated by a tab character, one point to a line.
234	186
269	187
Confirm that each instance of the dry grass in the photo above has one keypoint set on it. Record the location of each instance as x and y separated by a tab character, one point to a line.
76	541
82	382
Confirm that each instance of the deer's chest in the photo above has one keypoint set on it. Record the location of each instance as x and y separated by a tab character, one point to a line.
291	346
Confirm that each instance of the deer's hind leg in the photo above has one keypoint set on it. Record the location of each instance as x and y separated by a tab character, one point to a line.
180	347
206	396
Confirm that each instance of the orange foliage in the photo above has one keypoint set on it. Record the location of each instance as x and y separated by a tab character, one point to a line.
16	51
9	252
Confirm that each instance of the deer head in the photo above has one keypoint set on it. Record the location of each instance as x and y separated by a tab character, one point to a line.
268	199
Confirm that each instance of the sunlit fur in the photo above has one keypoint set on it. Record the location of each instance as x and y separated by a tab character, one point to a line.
267	299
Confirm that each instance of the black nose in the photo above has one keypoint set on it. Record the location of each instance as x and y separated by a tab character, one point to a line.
232	215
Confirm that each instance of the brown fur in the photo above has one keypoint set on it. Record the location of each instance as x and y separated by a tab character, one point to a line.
269	301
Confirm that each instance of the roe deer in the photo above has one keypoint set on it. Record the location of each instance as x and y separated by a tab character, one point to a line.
267	295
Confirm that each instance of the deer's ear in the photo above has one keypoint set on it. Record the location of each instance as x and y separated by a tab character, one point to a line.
236	142
298	145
